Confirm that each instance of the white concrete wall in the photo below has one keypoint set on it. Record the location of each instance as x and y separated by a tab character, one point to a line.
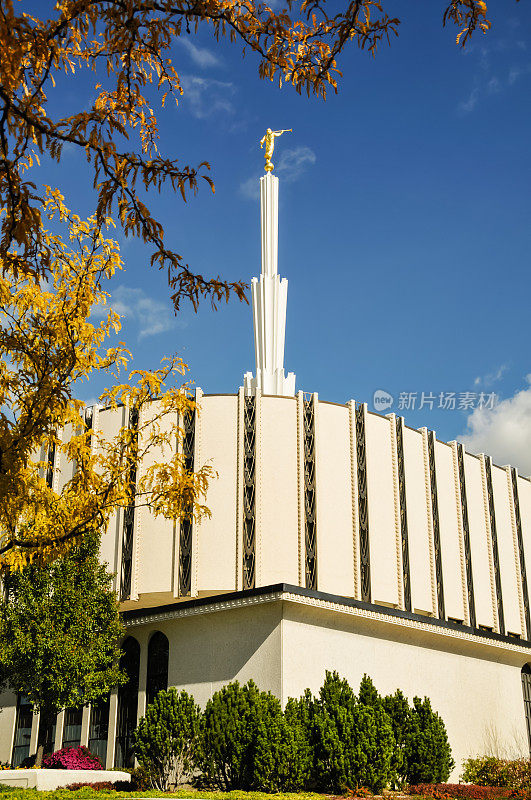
382	532
479	542
417	522
277	491
215	538
335	557
473	695
506	549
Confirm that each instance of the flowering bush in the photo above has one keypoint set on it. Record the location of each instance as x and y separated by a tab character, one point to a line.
441	791
104	786
490	771
72	758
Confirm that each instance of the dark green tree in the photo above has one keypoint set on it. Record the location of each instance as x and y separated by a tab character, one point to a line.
353	742
399	712
368	694
167	738
249	744
427	750
60	632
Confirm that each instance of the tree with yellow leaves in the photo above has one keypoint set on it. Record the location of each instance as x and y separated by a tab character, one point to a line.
48	288
48	345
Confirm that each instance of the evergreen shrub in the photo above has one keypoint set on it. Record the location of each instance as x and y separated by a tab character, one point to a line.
248	743
352	742
166	739
427	751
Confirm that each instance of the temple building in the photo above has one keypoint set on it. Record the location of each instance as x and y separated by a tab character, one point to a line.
339	539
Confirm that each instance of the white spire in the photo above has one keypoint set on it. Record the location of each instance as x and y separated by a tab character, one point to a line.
270	297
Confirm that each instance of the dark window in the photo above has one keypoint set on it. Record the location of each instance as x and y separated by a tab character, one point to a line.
21	743
72	727
157	666
47	725
99	729
127	703
526	686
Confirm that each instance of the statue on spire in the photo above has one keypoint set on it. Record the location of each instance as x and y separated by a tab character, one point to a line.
269	140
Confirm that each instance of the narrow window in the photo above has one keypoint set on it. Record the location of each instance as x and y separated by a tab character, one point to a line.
127	703
72	727
157	666
99	729
47	726
21	743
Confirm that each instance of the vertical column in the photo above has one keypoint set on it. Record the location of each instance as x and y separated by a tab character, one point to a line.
428	445
128	534
59	727
186	522
300	490
34	733
196	532
142	677
464	533
399	479
240	482
354	492
310	501
249	492
85	726
516	522
494	558
363	504
113	724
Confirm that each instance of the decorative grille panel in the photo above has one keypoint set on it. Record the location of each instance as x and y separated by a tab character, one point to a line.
403	512
249	493
186	529
494	537
310	517
466	536
526	687
51	464
129	516
523	573
363	509
436	525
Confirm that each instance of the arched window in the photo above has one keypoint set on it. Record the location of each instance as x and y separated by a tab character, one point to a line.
127	703
157	666
526	686
21	743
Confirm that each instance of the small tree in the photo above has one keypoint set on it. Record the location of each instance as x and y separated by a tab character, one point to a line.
60	632
427	750
167	738
353	742
399	712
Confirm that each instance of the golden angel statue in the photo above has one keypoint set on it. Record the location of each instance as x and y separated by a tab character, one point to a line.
269	140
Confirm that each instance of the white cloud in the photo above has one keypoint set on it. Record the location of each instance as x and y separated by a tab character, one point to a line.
200	55
503	432
468	105
151	316
293	162
207	96
290	166
491	377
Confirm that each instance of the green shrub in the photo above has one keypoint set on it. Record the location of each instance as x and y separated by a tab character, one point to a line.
428	756
353	742
491	771
166	739
399	711
247	742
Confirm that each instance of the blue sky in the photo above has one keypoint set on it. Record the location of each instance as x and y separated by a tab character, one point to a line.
404	224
